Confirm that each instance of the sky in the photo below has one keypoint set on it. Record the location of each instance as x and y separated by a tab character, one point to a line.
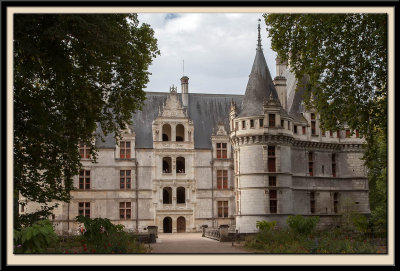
217	50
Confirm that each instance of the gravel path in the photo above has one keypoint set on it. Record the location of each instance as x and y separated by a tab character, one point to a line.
192	243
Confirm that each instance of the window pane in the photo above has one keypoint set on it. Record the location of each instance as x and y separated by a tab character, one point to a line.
128	144
128	173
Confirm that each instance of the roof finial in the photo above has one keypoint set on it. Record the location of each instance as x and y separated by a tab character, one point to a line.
259	37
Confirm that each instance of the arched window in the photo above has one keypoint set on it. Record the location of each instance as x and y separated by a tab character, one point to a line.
166	132
180	132
167	195
167	162
180	165
180	195
167	225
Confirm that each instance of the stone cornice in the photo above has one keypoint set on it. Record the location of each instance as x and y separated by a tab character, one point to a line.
281	139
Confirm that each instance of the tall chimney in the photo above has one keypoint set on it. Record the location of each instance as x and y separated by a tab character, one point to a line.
185	91
280	82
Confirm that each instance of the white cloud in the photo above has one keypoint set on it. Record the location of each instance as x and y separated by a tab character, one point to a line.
218	50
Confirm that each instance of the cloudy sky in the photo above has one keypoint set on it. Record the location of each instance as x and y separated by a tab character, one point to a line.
218	50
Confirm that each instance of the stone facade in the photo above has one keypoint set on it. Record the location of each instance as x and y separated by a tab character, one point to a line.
197	159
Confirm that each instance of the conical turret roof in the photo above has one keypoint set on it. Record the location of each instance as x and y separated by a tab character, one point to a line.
260	85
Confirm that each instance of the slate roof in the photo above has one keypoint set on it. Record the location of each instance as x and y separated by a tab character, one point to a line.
259	87
206	111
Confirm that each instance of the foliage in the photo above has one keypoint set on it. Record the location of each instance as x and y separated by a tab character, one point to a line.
265	225
101	236
284	241
302	225
344	59
36	238
360	222
72	73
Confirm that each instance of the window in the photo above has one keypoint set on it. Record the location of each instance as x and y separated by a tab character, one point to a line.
180	165
125	150
310	164
180	133
167	162
330	133
272	180
335	202
271	159
295	129
347	133
304	130
251	123
166	132
222	208
124	210
312	202
243	124
333	165
313	129
357	134
84	151
273	202
338	134
84	179
125	179
323	132
222	151
180	195
282	123
271	120
222	179
288	125
236	126
22	208
84	209
167	195
261	123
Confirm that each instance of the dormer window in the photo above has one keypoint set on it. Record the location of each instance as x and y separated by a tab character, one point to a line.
84	151
222	152
271	120
125	150
180	133
166	132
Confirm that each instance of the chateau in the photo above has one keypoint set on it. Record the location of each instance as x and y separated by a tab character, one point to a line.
194	159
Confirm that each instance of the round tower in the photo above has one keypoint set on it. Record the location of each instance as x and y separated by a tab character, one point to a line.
262	131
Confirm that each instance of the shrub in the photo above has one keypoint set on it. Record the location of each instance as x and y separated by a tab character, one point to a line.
265	225
36	238
302	225
360	222
102	236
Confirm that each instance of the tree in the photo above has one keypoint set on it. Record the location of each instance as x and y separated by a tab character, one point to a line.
72	72
344	58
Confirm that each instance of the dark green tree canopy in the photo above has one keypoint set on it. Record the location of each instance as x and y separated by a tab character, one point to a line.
72	72
344	57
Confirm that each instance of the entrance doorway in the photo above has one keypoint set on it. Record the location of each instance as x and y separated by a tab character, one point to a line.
167	225
181	224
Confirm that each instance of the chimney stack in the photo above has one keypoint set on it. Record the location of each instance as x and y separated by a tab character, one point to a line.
185	91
